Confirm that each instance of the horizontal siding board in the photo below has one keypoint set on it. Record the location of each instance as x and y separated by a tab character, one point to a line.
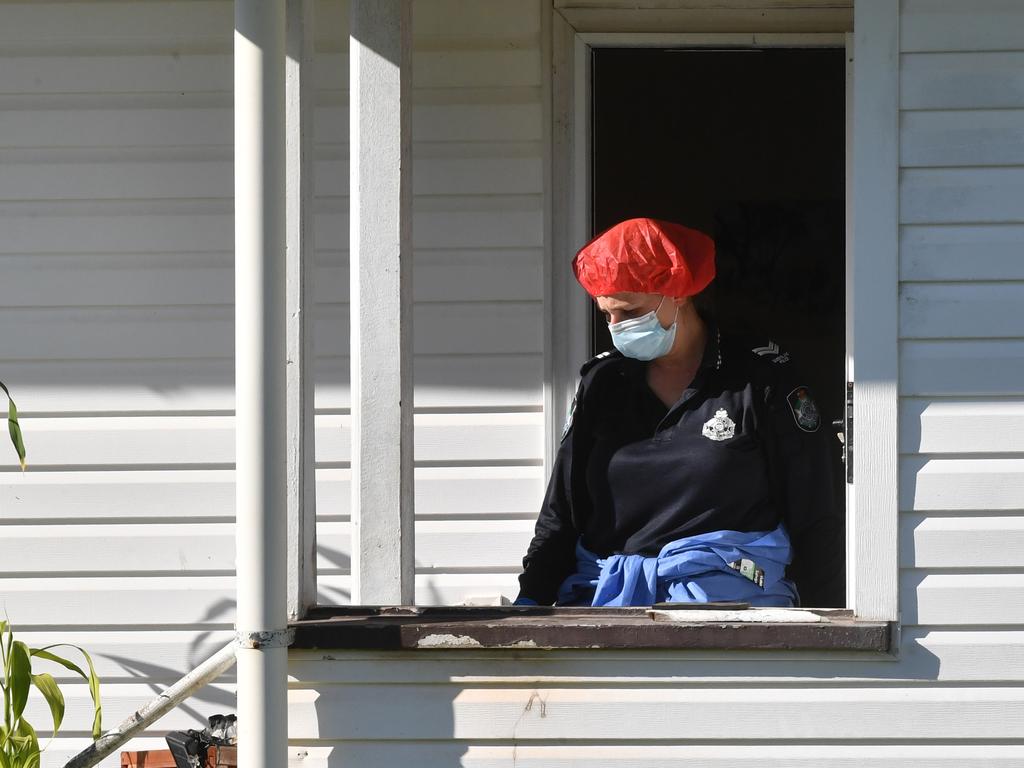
132	655
465	381
161	332
138	227
196	122
971	252
964	367
195	602
185	548
950	25
962	195
604	755
156	24
970	80
944	426
703	18
655	714
433	588
493	67
925	655
964	310
961	542
183	495
961	599
161	279
120	700
147	441
962	138
955	485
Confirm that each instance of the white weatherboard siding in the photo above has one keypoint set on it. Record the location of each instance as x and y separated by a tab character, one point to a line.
477	267
116	325
954	698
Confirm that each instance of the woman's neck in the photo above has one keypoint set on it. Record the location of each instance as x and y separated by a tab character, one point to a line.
688	348
669	375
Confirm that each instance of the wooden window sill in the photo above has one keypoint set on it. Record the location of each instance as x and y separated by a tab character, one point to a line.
543	628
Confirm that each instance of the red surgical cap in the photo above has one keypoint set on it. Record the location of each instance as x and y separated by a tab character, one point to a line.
646	256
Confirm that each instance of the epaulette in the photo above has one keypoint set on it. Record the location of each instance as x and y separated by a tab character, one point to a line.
596	359
772	352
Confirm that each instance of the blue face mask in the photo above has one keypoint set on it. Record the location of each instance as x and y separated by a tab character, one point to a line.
643	338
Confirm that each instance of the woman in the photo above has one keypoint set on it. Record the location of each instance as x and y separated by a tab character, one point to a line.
693	467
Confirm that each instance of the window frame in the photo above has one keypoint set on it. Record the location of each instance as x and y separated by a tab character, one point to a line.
872	244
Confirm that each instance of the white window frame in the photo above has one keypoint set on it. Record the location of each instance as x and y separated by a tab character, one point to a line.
872	255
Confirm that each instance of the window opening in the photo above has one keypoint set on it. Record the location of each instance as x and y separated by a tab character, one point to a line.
748	145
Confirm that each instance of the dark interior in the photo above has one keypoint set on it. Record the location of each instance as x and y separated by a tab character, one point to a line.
747	145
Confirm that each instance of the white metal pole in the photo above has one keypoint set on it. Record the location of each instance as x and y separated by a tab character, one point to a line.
380	234
260	323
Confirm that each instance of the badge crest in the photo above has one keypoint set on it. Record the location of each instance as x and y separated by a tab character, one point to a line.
720	426
568	419
804	410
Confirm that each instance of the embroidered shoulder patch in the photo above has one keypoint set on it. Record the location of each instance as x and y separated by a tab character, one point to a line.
804	410
568	419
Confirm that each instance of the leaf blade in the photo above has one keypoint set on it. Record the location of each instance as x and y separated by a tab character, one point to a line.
47	686
14	428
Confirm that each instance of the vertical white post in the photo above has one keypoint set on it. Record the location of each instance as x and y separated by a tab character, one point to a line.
380	233
260	378
301	499
876	206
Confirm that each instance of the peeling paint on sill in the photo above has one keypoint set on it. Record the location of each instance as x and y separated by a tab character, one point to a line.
448	641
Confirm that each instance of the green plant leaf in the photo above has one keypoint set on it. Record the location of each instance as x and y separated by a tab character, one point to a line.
92	678
30	745
14	427
48	687
20	678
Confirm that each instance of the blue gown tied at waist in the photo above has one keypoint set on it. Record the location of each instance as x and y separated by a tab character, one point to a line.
717	566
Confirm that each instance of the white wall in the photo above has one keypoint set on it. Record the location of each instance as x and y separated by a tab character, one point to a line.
116	315
955	695
478	249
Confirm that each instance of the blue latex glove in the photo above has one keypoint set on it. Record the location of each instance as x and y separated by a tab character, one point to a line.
525	601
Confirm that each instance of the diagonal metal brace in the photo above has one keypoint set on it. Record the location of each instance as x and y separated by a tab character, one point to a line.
267	638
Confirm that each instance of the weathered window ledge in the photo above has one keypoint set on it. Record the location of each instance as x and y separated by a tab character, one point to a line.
522	627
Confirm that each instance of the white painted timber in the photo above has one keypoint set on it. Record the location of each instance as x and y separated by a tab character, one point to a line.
925	655
962	599
872	536
961	426
962	138
985	310
167	496
969	252
300	252
962	195
961	485
990	80
381	283
948	25
953	543
472	755
962	367
657	713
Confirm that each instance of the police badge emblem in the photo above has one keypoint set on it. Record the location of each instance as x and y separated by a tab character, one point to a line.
804	411
720	426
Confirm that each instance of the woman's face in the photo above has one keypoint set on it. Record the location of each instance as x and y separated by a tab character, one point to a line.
626	306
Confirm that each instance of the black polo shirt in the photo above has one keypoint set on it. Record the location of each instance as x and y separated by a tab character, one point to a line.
742	449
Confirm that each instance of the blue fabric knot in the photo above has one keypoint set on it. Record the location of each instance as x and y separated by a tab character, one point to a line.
731	566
